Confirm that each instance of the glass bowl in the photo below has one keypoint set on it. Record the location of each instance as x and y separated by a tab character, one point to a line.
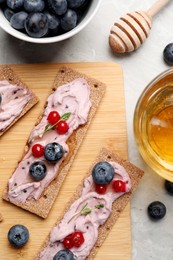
153	124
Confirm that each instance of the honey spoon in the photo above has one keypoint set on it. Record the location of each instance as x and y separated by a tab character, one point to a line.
130	32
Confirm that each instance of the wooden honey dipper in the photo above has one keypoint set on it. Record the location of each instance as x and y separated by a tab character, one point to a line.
132	29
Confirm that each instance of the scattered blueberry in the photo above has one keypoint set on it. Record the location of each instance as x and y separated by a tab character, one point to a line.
8	13
156	210
64	255
36	25
103	173
53	152
18	19
75	3
169	187
69	20
168	54
18	235
0	98
34	5
15	4
58	6
53	21
37	170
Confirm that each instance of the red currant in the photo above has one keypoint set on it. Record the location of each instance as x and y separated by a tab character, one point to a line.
77	238
119	186
53	117
37	150
67	242
62	127
100	189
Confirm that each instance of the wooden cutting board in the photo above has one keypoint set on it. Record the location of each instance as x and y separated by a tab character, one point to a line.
107	129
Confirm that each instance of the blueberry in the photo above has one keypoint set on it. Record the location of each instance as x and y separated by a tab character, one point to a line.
0	98
58	6
69	20
64	255
34	5
15	4
75	3
2	1
103	173
169	187
156	210
53	21
18	19
53	152
8	13
168	54
18	235
37	170
36	25
82	11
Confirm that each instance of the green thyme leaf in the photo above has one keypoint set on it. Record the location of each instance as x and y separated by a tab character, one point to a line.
99	206
47	128
84	206
86	211
65	116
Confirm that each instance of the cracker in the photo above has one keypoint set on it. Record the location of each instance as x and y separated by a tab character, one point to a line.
42	206
135	175
6	73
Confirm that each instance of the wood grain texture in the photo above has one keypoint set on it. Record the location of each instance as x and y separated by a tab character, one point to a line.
108	129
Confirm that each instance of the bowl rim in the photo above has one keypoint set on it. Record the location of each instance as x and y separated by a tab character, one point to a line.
153	82
53	39
163	172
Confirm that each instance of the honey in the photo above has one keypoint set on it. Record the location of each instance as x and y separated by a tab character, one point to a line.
161	136
153	124
159	126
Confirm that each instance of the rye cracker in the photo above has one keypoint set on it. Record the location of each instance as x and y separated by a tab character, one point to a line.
42	206
6	73
119	204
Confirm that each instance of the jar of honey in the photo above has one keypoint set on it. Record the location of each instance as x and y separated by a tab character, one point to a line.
153	124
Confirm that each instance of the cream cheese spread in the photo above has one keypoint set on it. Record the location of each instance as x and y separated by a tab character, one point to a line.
13	99
88	224
73	97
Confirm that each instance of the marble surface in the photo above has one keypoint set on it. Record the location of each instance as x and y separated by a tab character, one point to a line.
150	240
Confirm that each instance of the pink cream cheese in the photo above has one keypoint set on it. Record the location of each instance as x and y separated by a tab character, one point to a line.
73	97
13	99
88	224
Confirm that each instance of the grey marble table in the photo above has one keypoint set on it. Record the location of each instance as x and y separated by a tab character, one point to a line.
150	240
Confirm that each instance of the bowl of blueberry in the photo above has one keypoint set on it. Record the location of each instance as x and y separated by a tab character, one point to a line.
46	21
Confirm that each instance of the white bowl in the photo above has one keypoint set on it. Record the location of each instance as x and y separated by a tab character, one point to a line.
5	25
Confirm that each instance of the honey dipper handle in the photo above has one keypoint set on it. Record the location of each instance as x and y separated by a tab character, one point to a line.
156	7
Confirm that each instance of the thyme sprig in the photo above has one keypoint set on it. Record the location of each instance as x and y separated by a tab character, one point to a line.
49	127
86	210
